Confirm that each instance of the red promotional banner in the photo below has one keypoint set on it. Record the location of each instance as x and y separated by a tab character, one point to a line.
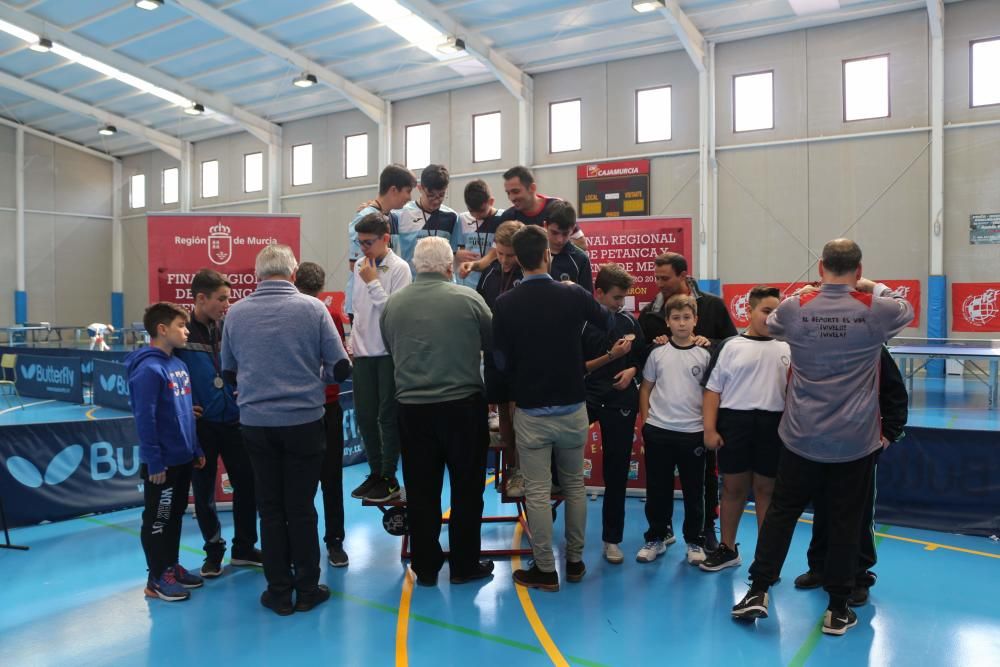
635	243
180	245
975	307
910	290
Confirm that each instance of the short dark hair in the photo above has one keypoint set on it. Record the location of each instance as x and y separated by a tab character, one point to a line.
521	173
611	276
435	177
162	313
841	256
562	215
397	176
207	281
373	223
680	302
476	194
761	292
674	260
530	244
310	278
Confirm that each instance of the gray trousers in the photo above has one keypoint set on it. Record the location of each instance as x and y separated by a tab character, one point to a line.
538	438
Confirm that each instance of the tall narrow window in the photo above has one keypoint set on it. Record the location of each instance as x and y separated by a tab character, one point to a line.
253	172
866	88
210	179
486	143
753	102
418	146
985	75
652	115
137	191
302	164
171	185
564	126
356	156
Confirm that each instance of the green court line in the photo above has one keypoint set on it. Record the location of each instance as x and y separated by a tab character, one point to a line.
810	644
880	534
386	607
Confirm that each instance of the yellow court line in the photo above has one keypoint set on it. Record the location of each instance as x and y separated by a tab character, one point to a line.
529	609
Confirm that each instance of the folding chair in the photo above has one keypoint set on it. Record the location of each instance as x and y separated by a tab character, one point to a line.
9	363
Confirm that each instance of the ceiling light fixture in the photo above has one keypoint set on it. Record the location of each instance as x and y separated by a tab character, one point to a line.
195	109
645	6
149	5
43	45
108	130
452	46
807	7
305	80
407	25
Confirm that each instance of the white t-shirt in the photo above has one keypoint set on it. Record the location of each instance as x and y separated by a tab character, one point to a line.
751	373
675	402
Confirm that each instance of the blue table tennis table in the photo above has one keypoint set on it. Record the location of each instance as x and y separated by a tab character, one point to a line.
913	354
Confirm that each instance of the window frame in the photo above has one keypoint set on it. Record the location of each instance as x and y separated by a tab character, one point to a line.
972	44
132	190
888	86
757	73
367	154
406	144
312	171
670	125
245	156
566	101
480	115
163	185
218	179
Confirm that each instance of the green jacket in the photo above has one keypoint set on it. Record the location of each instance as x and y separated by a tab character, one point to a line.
434	330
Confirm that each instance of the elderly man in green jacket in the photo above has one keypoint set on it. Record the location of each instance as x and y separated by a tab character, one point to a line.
435	330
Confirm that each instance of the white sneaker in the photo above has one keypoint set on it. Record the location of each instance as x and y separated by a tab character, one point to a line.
515	484
613	553
651	550
494	421
695	554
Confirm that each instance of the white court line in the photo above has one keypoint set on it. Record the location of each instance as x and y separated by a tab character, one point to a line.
27	405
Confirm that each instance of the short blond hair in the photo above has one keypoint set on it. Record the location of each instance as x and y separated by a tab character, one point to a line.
505	232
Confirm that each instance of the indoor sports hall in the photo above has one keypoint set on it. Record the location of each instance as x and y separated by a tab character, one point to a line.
251	246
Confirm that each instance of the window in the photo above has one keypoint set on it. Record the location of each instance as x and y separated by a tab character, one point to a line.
253	172
985	83
753	102
356	156
210	179
564	126
866	88
486	143
171	185
302	164
418	146
137	191
652	115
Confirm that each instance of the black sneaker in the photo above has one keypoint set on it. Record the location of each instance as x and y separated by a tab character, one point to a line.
810	579
247	558
336	555
535	578
306	601
212	567
753	605
366	486
721	558
483	569
858	597
575	571
839	622
282	606
426	579
711	540
384	490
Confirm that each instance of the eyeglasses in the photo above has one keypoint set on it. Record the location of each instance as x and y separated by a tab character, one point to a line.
435	194
367	243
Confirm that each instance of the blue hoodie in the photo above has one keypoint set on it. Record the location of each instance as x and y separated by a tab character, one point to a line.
160	387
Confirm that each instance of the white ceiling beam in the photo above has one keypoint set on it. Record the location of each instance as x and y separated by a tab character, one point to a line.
372	105
688	34
165	142
261	128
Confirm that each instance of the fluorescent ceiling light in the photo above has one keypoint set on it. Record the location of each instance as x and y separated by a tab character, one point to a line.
195	109
108	130
149	5
804	7
304	80
20	33
408	25
43	45
645	6
452	46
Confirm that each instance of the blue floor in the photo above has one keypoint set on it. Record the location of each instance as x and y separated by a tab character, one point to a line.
76	599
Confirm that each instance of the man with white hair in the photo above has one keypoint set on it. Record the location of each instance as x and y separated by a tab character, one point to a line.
282	348
434	330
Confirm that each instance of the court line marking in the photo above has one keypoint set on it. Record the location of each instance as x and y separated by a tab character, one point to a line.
90	412
530	612
26	405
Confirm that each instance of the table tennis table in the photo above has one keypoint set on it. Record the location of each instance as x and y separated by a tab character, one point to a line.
909	352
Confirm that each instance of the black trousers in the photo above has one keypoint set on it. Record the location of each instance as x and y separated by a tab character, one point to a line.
286	466
617	436
844	488
867	557
332	475
434	436
664	450
225	440
164	507
711	487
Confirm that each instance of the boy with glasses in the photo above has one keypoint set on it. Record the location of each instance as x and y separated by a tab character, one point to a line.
428	216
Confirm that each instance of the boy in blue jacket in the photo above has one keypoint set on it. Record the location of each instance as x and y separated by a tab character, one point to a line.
160	388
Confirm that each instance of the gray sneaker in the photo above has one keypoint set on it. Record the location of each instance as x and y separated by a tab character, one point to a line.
515	484
613	554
